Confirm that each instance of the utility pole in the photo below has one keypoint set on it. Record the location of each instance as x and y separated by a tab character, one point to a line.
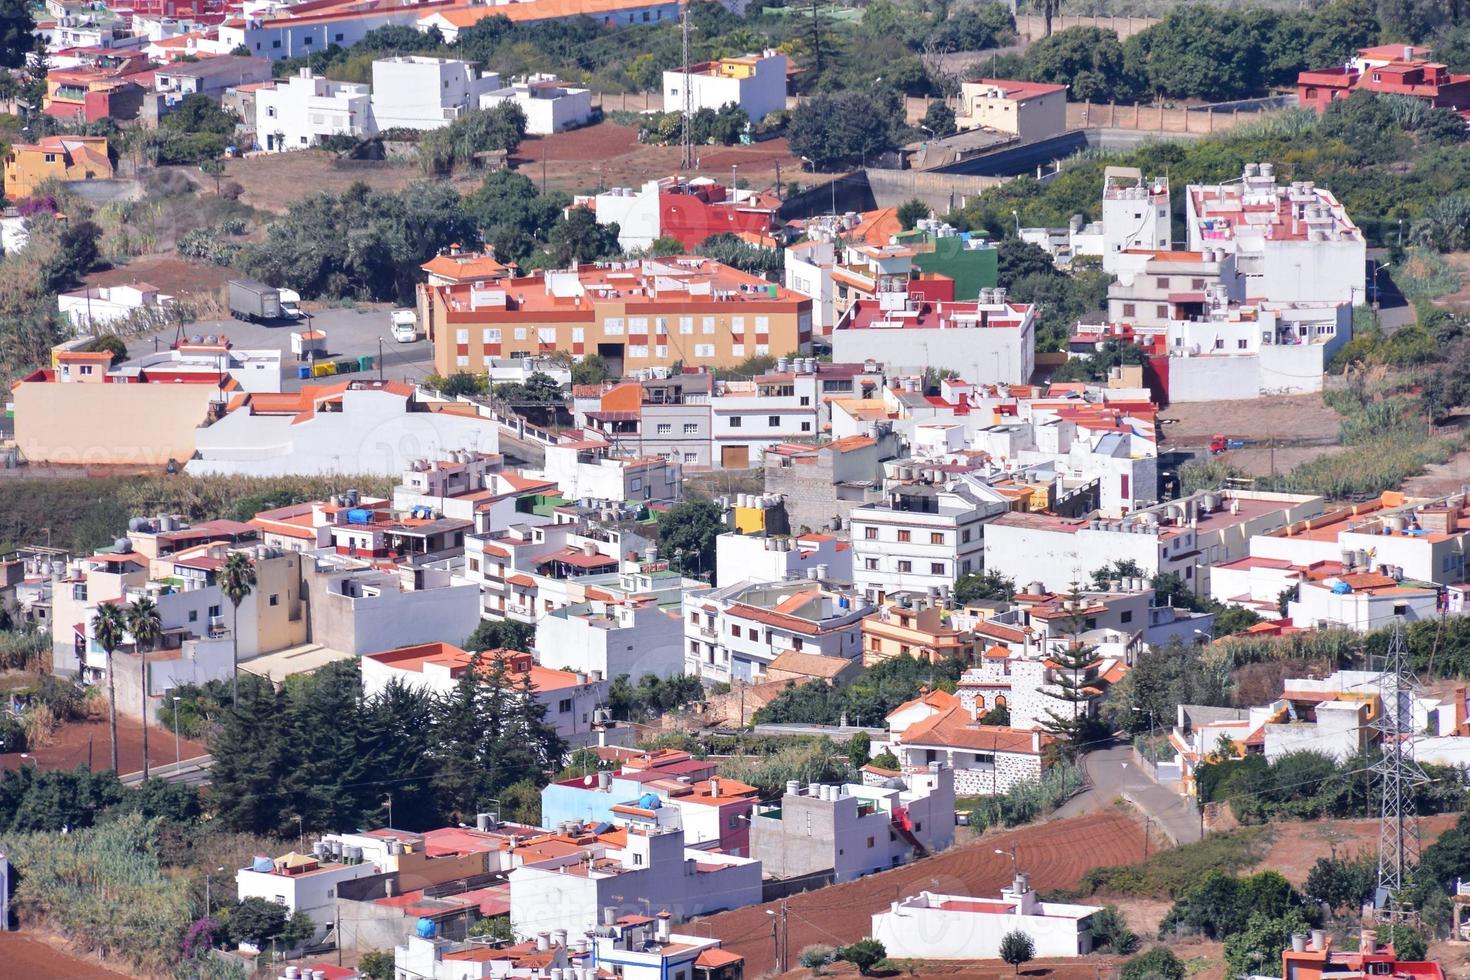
785	939
380	359
1398	776
688	141
816	37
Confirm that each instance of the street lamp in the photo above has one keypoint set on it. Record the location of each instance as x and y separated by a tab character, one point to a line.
1011	851
177	761
775	943
300	833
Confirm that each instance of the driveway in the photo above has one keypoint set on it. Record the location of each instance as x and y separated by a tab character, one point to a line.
1113	775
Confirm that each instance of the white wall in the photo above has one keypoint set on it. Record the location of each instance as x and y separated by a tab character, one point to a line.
762	93
305	107
938	934
425	93
981	354
653	645
569	108
314	893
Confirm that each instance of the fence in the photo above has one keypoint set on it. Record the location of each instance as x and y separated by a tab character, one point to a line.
1156	118
1032	27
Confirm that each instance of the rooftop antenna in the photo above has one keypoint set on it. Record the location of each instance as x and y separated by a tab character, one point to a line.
1397	774
688	139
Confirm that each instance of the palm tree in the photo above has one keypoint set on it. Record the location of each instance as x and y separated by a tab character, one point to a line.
146	626
109	626
236	580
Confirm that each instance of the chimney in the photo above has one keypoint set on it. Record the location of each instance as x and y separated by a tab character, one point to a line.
390	887
714	786
662	927
1035	740
543	941
1368	941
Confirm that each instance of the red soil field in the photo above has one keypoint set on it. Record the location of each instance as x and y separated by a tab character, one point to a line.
1055	855
69	748
22	956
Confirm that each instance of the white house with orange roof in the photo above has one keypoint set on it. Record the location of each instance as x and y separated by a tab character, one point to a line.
502	563
1291	243
987	760
736	631
570	698
437	958
642	950
357	426
462	486
625	874
1030	110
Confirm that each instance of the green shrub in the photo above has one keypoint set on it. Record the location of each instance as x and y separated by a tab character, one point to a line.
1030	800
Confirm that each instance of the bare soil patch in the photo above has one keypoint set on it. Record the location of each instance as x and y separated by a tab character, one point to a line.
171	274
88	744
24	956
1296	846
1287	418
1055	854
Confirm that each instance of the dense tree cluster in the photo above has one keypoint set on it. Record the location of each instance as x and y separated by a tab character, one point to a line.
322	751
880	689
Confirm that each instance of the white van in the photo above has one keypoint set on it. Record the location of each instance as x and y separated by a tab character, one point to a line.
405	326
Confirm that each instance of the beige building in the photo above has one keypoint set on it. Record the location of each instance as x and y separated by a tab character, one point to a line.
78	412
633	314
1030	110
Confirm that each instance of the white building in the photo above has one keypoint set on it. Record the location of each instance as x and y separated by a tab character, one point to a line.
272	31
986	341
854	829
93	307
1155	288
1360	601
435	958
297	112
418	92
648	869
1291	243
610	639
755	82
1028	110
570	698
355	426
733	633
253	370
1184	537
987	760
928	926
923	537
637	948
550	105
759	558
586	469
808	271
358	608
302	883
1135	215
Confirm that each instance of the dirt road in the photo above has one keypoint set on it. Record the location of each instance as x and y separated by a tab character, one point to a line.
1054	854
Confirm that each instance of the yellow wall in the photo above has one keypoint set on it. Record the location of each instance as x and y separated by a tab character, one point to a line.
137	424
750	520
276	628
26	169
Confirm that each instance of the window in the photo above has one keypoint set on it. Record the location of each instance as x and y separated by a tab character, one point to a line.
762	350
579	335
686	325
276	43
520	333
737	350
274	600
1219	343
1161	282
638	324
1161	311
1129	309
492	335
805	400
704	350
965	534
796	643
661	352
564	705
691	428
474	564
1126	616
762	324
638	350
691	457
461	336
707	325
871	564
936	568
905	566
1198	284
613	326
736	421
806	427
661	325
546	335
870	533
734	630
1241	344
870	843
306	40
637	483
665	428
773	420
215	611
737	324
193	615
936	537
905	535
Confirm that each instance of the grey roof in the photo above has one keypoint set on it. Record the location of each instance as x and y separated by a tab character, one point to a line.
225	64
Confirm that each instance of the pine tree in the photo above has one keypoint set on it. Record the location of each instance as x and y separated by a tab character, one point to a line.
249	749
401	739
330	785
1070	679
457	773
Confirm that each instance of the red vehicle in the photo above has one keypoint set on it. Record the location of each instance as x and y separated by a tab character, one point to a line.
1218	444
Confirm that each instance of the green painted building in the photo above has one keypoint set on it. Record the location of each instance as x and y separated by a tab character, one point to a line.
971	264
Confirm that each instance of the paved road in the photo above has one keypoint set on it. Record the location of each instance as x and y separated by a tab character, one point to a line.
1113	774
192	772
350	333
